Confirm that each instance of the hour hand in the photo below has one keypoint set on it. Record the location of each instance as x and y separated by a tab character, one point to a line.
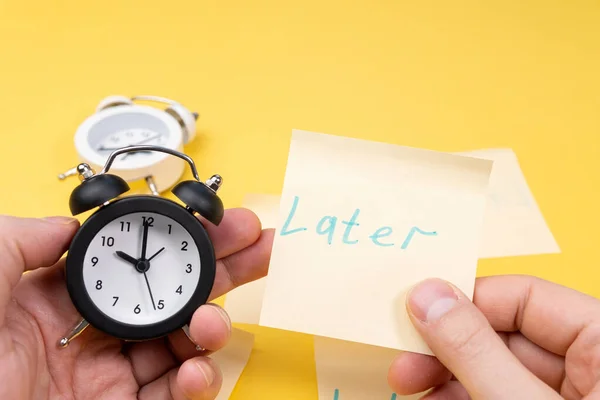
127	258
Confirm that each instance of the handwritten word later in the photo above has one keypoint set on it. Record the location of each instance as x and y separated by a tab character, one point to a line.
328	224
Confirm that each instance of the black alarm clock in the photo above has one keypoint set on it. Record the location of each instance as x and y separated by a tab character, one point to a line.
140	265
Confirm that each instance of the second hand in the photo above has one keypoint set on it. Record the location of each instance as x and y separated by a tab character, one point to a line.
149	290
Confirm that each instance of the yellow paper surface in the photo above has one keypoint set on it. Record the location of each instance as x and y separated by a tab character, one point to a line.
344	285
232	360
513	223
354	371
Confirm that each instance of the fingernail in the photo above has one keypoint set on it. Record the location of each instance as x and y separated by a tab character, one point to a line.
61	220
223	315
207	372
431	299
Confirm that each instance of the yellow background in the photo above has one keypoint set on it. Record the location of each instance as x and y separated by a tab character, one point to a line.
450	76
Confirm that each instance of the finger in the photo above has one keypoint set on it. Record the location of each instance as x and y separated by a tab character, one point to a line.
550	315
210	329
462	339
412	373
547	366
245	266
199	378
584	359
150	360
27	244
452	390
239	228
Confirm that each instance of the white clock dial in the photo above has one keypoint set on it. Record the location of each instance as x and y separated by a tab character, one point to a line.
141	293
129	137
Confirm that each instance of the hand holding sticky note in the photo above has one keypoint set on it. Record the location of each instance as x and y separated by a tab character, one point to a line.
361	223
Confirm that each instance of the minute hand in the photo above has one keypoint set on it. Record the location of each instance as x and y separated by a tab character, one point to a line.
133	144
144	241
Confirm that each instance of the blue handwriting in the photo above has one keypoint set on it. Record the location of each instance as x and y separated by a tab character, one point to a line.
327	225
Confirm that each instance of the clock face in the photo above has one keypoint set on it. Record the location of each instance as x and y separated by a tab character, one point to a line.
138	275
117	127
129	137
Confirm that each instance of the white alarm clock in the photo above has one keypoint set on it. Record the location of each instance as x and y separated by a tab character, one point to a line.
120	122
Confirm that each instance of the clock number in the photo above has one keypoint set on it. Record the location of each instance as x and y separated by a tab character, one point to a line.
137	309
189	268
178	290
125	224
170	227
94	261
110	241
161	304
98	285
116	299
184	246
150	221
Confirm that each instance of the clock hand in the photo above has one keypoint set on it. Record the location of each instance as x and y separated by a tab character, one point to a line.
101	147
127	257
144	242
149	290
135	152
155	254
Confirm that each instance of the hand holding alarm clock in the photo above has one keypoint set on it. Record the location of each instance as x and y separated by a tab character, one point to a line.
37	307
140	266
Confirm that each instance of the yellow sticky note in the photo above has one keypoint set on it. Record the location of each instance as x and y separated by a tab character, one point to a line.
513	223
232	360
513	226
361	222
354	371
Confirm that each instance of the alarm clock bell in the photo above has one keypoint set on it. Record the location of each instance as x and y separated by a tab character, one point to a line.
98	189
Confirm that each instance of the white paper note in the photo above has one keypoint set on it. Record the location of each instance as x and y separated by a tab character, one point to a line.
354	371
232	360
361	222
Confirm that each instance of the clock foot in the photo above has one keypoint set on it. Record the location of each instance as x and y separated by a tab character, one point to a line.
186	329
76	331
152	185
71	172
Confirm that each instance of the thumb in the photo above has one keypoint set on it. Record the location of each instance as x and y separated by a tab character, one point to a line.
462	339
27	244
